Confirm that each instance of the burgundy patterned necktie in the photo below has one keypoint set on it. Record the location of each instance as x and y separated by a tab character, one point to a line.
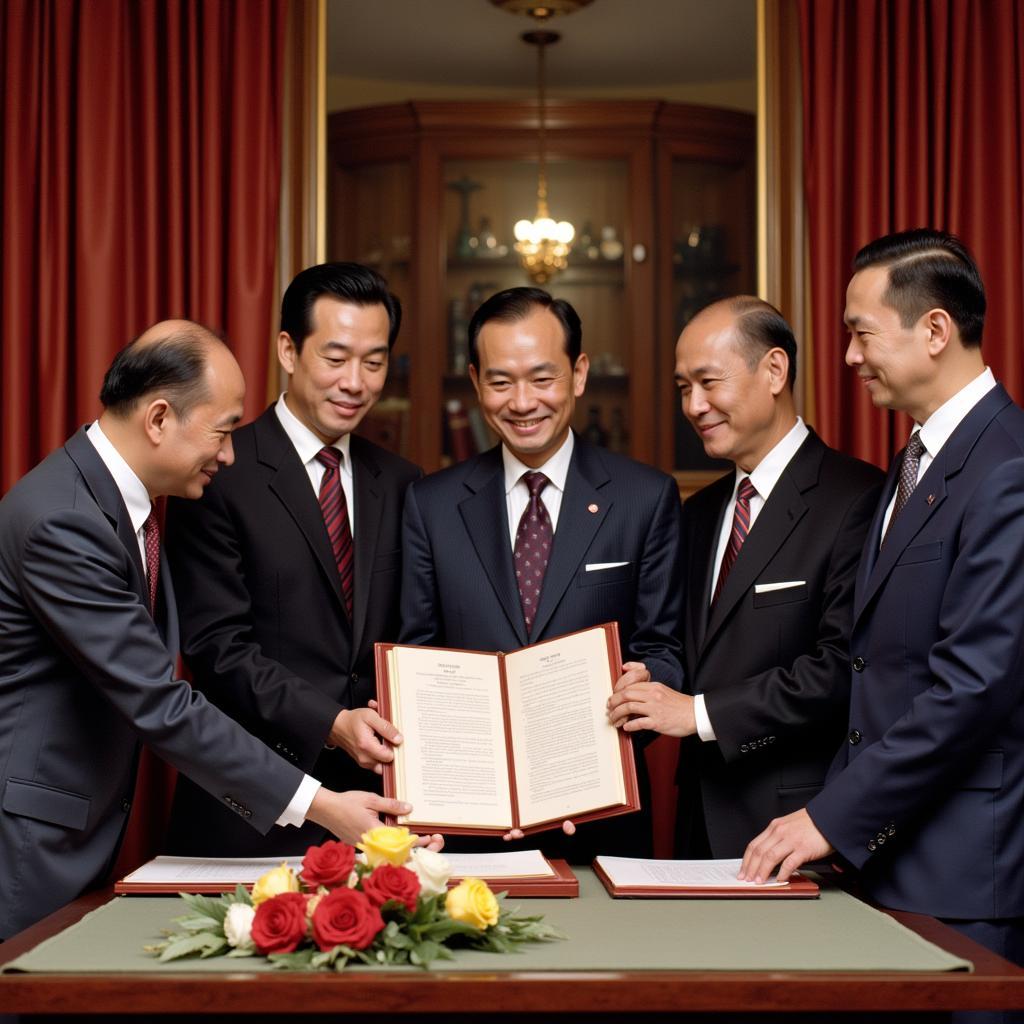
335	512
908	477
151	542
740	529
532	548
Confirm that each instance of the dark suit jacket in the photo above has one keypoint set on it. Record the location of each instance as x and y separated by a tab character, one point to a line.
928	799
772	665
84	674
459	588
264	628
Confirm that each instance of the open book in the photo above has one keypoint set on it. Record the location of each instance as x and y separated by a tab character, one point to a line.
499	741
693	879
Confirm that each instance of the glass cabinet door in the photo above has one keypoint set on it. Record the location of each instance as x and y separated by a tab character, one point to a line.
371	223
482	201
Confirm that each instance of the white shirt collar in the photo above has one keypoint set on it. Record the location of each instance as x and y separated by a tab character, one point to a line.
306	443
936	430
556	469
133	490
766	473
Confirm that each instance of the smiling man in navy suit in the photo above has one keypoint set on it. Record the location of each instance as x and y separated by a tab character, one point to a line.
927	795
767	616
613	526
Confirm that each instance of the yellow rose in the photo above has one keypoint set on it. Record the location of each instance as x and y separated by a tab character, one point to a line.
273	883
471	901
387	844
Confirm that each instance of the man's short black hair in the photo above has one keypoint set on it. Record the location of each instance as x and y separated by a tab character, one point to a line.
347	282
761	328
929	269
515	304
173	367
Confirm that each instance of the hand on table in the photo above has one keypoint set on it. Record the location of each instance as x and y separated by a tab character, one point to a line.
789	842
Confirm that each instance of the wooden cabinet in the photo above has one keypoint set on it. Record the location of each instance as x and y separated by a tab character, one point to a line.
662	197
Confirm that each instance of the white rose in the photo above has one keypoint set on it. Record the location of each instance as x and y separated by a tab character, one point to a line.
431	869
238	925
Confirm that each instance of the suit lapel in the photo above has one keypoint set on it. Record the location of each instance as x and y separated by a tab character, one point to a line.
289	483
104	490
369	502
702	545
485	515
930	492
577	526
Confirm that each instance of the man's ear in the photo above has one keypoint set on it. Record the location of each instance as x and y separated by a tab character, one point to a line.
156	419
286	352
777	363
939	325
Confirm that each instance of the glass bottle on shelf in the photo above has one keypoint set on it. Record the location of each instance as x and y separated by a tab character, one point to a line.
594	431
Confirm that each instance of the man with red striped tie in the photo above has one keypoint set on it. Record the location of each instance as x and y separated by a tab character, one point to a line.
290	564
771	550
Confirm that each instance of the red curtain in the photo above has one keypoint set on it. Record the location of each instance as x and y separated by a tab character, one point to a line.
913	116
139	180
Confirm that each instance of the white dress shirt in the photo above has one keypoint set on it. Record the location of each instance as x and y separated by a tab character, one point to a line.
137	501
308	446
763	478
936	430
517	494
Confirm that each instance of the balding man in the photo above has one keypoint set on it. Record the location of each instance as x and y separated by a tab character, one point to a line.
88	634
771	550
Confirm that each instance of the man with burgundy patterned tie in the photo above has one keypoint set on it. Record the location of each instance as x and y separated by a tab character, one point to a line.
544	534
771	553
927	795
89	635
291	560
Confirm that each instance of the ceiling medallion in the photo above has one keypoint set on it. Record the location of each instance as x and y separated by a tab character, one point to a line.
541	10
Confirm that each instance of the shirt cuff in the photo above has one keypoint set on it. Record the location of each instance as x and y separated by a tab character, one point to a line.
298	807
705	730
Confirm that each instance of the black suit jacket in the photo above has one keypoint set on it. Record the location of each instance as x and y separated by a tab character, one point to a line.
772	665
84	675
459	588
264	628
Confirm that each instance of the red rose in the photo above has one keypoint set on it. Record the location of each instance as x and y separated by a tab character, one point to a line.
388	882
280	923
329	864
345	917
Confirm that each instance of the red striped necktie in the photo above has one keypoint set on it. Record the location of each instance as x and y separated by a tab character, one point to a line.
151	542
335	512
740	529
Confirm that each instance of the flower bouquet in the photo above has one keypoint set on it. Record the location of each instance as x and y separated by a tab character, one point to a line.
389	906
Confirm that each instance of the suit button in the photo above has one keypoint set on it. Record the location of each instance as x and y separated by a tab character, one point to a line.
355	678
855	736
891	830
881	839
872	846
126	806
248	814
771	739
743	748
858	664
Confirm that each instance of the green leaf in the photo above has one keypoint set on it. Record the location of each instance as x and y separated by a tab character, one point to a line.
189	944
300	960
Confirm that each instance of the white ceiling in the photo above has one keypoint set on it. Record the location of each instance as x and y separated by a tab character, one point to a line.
610	43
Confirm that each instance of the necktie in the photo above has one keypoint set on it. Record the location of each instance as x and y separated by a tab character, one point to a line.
532	548
151	542
335	512
908	476
740	529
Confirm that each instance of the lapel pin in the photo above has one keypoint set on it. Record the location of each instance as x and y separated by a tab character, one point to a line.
592	508
931	498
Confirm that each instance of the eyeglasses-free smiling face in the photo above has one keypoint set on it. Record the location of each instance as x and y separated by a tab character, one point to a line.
526	385
342	368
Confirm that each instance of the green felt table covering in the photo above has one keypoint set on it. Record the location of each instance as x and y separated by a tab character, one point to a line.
833	933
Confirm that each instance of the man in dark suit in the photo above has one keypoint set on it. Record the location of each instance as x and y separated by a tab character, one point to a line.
614	549
927	795
771	551
89	635
285	601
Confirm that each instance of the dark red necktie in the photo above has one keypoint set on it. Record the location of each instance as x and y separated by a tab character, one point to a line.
532	548
335	512
908	477
151	542
740	529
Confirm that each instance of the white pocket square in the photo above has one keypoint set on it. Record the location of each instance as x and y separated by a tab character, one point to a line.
597	566
766	588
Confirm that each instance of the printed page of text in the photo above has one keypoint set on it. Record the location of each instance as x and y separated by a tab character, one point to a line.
452	764
566	753
635	872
